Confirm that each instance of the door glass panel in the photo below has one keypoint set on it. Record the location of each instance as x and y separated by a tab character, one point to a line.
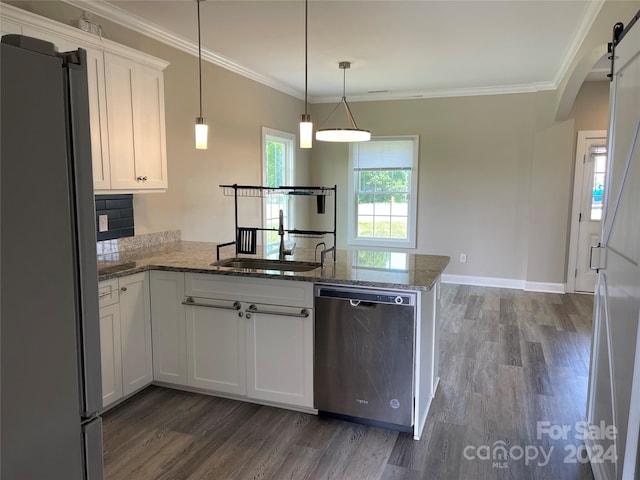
599	155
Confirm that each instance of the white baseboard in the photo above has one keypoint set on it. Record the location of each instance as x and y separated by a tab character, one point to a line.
503	283
544	287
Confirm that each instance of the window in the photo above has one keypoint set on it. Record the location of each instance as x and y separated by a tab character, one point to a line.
599	155
277	167
383	191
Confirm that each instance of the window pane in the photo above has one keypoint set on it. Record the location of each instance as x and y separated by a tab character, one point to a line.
381	227
400	204
384	197
398	227
365	204
401	181
601	163
382	205
597	196
367	181
365	226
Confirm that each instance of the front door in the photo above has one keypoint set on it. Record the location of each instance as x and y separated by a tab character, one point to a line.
613	397
589	189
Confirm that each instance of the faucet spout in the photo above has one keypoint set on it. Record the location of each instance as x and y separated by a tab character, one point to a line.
283	251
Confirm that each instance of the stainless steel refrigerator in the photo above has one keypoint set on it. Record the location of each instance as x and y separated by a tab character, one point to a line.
49	332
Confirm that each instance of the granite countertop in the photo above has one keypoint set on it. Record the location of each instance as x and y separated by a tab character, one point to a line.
352	267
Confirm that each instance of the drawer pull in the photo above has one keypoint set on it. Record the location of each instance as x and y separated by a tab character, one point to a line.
191	302
304	313
105	294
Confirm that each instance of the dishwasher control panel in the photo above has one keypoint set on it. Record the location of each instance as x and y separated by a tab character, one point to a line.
364	295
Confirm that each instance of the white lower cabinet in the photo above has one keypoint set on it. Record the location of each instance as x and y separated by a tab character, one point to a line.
245	337
125	336
280	355
168	327
135	332
110	354
216	357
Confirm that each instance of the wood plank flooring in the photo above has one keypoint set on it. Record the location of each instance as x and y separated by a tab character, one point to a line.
509	359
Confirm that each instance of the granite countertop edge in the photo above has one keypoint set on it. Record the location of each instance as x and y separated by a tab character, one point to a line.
196	257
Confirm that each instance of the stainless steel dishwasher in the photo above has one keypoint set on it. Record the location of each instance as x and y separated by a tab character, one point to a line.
364	355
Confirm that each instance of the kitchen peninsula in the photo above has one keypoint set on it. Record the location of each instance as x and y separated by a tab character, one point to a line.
245	333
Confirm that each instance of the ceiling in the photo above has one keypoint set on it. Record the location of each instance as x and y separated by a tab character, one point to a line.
398	49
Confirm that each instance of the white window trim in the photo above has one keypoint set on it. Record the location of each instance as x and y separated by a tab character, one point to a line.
291	138
412	219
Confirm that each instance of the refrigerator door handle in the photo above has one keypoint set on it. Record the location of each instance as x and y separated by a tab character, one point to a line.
83	205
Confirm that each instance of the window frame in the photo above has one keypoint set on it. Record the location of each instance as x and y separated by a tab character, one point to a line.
289	139
412	219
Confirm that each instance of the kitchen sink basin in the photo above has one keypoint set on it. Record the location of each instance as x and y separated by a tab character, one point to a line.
267	264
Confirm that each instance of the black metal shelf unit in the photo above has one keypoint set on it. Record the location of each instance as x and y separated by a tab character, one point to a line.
245	241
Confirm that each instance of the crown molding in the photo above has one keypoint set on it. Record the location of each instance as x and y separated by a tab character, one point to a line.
140	25
442	93
589	17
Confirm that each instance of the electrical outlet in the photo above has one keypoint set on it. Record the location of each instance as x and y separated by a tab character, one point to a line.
103	223
463	258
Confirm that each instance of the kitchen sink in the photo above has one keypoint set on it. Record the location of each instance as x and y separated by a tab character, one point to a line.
267	264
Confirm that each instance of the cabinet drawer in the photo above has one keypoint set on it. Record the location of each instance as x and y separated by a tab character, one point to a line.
108	292
254	290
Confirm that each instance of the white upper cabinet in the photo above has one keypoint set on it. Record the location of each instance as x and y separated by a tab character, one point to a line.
126	104
135	116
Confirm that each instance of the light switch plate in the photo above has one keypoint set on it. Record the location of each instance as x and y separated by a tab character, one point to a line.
103	223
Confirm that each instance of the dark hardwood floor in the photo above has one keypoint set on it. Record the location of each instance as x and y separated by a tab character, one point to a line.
509	360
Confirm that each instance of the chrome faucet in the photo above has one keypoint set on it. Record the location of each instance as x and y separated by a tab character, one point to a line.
283	251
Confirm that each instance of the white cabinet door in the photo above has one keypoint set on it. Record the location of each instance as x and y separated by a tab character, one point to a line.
280	355
168	327
135	332
216	355
110	351
120	87
135	116
150	142
98	120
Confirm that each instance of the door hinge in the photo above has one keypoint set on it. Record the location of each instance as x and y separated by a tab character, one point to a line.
579	217
598	261
576	274
584	158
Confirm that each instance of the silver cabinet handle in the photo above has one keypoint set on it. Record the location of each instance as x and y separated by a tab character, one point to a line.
192	302
304	313
105	294
142	179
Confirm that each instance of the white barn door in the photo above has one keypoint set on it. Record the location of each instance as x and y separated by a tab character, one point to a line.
615	362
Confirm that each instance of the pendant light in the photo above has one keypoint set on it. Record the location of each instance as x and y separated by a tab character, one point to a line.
306	126
353	134
202	129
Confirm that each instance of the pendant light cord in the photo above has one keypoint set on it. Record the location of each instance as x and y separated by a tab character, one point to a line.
199	58
306	35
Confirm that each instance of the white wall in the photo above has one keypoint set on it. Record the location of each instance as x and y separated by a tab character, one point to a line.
495	171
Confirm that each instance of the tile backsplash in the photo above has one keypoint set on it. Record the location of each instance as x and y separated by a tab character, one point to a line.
119	212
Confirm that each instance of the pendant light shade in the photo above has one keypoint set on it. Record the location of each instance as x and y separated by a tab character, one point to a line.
202	133
340	134
306	126
306	131
202	129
